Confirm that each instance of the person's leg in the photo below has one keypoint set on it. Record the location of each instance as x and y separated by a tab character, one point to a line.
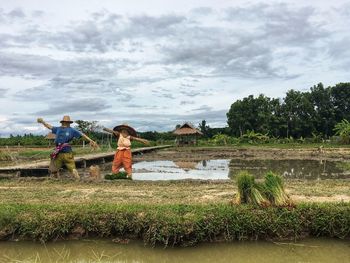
70	164
55	166
127	162
117	162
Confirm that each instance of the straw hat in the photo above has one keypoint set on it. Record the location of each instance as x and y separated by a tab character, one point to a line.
66	119
125	126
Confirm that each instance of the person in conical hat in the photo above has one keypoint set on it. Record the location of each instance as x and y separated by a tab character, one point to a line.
123	157
63	155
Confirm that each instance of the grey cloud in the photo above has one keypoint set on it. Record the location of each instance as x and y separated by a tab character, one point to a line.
16	13
203	108
78	105
3	92
187	102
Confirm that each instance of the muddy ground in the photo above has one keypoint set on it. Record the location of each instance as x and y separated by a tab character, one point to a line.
51	191
261	152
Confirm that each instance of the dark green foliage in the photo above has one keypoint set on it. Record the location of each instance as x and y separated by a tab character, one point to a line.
299	114
120	175
343	130
170	225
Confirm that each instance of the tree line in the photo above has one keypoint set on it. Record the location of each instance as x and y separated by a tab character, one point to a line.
299	114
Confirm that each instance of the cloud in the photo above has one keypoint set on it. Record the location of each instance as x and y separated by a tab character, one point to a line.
166	66
3	92
64	106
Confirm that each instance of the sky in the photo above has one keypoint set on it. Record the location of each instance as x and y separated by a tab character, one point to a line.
157	63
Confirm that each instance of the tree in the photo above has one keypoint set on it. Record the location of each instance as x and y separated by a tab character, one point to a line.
88	127
340	96
324	115
298	112
253	114
204	128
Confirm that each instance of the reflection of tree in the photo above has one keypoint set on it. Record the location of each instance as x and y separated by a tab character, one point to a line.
204	163
298	169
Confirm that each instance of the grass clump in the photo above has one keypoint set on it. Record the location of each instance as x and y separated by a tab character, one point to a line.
118	176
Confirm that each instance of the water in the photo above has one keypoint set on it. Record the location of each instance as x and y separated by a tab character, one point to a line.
310	250
227	168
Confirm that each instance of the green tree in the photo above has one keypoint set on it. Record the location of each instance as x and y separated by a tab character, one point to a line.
324	115
298	114
342	129
205	129
253	114
88	127
340	96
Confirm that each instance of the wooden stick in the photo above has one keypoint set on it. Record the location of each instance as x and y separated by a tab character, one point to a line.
111	131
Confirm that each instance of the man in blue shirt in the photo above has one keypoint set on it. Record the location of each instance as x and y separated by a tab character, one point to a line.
63	155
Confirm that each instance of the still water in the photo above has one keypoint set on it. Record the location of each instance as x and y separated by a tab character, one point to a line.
308	251
227	168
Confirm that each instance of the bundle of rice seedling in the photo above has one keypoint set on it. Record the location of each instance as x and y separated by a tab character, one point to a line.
274	190
120	175
248	190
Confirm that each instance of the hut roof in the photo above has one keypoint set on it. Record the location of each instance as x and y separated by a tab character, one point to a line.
50	136
187	129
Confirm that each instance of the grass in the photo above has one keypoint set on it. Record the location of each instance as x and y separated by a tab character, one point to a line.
175	224
47	191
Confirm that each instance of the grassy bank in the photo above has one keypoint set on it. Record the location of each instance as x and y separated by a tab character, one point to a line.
170	225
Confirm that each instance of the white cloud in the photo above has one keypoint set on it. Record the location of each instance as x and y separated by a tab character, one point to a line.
155	64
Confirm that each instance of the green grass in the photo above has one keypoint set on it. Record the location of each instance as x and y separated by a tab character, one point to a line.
170	225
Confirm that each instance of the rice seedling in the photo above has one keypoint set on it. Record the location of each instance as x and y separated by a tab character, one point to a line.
274	190
249	190
120	175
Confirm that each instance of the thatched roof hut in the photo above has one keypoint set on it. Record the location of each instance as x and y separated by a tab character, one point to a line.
187	134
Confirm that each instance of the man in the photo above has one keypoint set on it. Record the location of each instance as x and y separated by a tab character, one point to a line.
63	155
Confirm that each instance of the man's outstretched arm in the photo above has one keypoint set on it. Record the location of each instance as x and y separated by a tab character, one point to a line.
92	142
47	125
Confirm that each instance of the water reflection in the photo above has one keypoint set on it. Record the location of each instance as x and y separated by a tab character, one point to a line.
310	250
227	168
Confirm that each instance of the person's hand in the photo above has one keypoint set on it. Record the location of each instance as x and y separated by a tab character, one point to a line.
40	120
145	141
94	145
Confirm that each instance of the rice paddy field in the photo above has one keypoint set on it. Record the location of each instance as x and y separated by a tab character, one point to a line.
184	197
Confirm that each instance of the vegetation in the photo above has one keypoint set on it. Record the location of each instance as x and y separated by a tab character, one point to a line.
172	225
274	190
120	175
300	114
271	191
343	130
248	190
